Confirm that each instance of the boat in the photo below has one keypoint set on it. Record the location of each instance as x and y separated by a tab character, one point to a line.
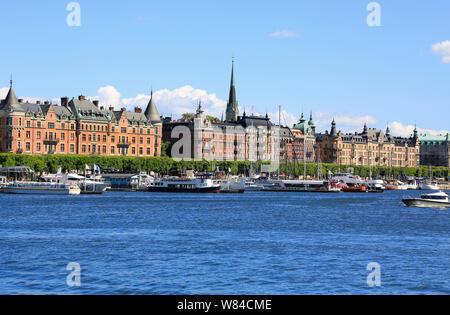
87	185
434	200
303	186
251	185
184	185
396	185
35	188
231	185
429	186
354	183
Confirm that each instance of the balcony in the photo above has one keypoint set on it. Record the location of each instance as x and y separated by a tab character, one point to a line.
51	141
123	145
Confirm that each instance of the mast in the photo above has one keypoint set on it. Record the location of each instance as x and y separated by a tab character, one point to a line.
279	140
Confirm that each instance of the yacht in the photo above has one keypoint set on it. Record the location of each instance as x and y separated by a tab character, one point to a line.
87	185
184	185
354	182
434	200
303	186
35	188
231	185
429	186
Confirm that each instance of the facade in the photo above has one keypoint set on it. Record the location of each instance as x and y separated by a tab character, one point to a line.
293	142
238	138
78	126
370	148
435	150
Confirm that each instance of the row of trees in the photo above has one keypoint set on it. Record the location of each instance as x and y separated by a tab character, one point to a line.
166	165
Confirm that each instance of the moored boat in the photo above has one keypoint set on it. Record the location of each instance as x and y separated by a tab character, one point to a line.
231	185
35	188
86	185
434	200
303	186
184	185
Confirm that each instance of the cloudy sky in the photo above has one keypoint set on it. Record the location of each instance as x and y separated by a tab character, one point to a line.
319	56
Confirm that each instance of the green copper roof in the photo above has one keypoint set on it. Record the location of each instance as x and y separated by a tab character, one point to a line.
440	138
303	126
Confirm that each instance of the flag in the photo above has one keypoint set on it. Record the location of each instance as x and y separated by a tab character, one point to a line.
87	168
96	168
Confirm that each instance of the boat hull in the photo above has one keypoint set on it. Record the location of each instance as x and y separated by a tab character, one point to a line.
420	203
28	191
206	190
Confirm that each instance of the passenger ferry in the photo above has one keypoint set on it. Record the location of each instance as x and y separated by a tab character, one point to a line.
303	186
34	188
184	185
435	200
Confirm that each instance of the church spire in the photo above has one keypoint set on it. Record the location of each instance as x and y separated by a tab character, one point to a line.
232	106
11	98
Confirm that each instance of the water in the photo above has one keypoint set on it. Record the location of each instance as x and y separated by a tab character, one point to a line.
256	243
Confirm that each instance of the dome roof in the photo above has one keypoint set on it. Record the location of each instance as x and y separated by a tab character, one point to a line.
303	126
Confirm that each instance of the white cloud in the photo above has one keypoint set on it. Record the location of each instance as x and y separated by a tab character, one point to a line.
345	122
398	129
108	95
443	49
284	34
3	93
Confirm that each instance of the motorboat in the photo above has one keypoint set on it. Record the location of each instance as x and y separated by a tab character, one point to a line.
434	200
46	188
231	185
429	186
184	185
354	183
87	185
303	186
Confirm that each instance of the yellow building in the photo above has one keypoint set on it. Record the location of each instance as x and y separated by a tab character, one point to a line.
372	147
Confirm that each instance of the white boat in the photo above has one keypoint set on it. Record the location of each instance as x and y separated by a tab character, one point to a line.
87	186
350	180
184	185
231	185
429	186
34	188
303	186
434	200
251	185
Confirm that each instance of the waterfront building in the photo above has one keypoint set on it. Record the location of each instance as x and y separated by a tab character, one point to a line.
372	147
293	142
236	138
435	150
78	126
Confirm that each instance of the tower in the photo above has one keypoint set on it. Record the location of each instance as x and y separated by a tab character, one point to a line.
152	112
232	106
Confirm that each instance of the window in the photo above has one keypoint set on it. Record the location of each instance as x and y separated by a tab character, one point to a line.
141	140
28	124
148	151
140	151
63	136
51	126
28	146
104	138
112	150
72	136
63	148
112	139
83	137
148	140
38	147
124	130
133	140
72	148
63	126
104	149
28	135
83	148
133	151
39	124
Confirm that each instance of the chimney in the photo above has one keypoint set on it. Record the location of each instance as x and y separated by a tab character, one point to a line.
65	101
138	110
96	103
81	98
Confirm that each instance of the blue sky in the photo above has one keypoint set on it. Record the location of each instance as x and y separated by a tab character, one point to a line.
329	61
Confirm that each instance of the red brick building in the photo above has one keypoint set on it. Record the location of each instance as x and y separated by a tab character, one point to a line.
78	126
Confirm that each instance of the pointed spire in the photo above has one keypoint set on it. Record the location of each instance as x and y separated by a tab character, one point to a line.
232	106
11	98
152	112
333	131
388	131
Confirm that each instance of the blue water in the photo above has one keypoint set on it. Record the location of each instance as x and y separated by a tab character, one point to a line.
256	243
